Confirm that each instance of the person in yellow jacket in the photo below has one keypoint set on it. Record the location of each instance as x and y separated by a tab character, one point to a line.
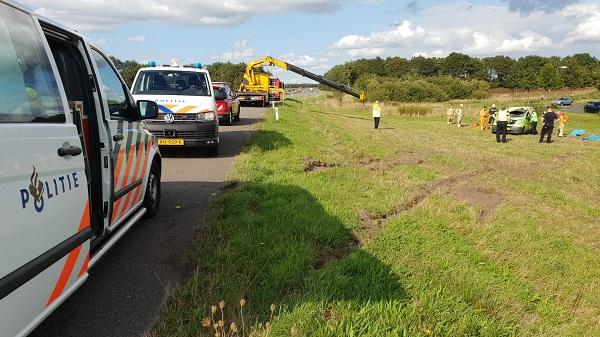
483	118
562	121
376	114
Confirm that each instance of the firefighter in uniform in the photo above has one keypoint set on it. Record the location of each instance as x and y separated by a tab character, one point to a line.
483	118
450	114
459	115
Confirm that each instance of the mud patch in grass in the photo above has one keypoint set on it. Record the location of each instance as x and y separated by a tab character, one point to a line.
401	158
488	201
327	254
313	165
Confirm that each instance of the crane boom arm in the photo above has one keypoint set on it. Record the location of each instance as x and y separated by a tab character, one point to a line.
270	61
323	80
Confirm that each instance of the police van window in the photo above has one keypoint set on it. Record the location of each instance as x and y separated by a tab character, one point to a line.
171	82
114	92
29	90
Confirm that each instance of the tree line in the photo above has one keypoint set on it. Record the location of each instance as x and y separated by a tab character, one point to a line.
575	71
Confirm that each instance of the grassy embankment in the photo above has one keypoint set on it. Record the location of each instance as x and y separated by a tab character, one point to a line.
417	229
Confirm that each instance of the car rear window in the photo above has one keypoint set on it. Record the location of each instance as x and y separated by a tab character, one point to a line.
29	88
517	113
220	93
171	82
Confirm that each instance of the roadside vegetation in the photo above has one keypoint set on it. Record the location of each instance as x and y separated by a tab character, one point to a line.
416	229
460	76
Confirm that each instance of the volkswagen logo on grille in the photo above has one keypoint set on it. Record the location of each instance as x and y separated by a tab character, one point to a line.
169	118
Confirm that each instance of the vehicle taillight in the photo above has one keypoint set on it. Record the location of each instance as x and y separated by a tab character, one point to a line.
221	106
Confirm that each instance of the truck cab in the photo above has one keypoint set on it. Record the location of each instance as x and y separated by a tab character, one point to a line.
79	166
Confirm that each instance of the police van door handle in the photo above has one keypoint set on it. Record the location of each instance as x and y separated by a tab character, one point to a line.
117	138
69	151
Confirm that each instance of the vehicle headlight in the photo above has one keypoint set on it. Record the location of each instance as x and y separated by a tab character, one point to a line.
206	116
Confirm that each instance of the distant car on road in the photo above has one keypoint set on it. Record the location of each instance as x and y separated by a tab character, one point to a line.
520	123
228	106
593	107
566	100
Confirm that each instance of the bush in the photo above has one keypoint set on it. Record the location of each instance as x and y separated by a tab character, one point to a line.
415	89
414	110
478	89
404	91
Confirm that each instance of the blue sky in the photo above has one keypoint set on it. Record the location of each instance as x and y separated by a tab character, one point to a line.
317	34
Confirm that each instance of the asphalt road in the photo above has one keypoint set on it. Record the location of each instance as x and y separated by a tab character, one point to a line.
572	108
126	289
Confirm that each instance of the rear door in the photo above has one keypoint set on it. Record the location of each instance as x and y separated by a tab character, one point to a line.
44	231
130	141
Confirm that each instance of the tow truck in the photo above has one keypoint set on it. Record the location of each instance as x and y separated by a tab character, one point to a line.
79	167
257	86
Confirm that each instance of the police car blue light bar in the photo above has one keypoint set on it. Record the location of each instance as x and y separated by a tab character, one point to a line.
151	63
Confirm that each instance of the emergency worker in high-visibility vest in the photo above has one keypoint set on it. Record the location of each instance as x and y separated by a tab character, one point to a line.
376	114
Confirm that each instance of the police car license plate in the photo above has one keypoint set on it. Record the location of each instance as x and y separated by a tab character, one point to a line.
171	141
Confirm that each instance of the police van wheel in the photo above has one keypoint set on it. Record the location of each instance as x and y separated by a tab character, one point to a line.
152	197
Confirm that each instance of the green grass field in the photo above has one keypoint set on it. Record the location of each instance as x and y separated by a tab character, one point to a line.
416	229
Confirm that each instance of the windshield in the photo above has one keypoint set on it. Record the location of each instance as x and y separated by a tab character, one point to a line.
517	113
171	82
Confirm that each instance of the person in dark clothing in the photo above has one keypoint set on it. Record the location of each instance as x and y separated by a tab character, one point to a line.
548	124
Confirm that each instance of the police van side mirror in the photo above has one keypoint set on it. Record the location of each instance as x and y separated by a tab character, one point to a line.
147	109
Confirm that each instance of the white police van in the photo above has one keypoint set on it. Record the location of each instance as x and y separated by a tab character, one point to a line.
78	166
187	109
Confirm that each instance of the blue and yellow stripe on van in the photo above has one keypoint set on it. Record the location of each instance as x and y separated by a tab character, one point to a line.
178	109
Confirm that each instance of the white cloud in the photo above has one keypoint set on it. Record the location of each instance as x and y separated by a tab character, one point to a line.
137	39
103	15
312	63
241	44
399	35
435	53
588	23
237	55
527	40
436	33
366	52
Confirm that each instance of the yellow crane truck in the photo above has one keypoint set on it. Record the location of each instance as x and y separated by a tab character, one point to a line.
260	88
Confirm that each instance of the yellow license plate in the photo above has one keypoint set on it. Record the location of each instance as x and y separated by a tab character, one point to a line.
171	141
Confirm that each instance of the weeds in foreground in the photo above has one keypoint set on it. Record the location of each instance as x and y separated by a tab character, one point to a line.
217	323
